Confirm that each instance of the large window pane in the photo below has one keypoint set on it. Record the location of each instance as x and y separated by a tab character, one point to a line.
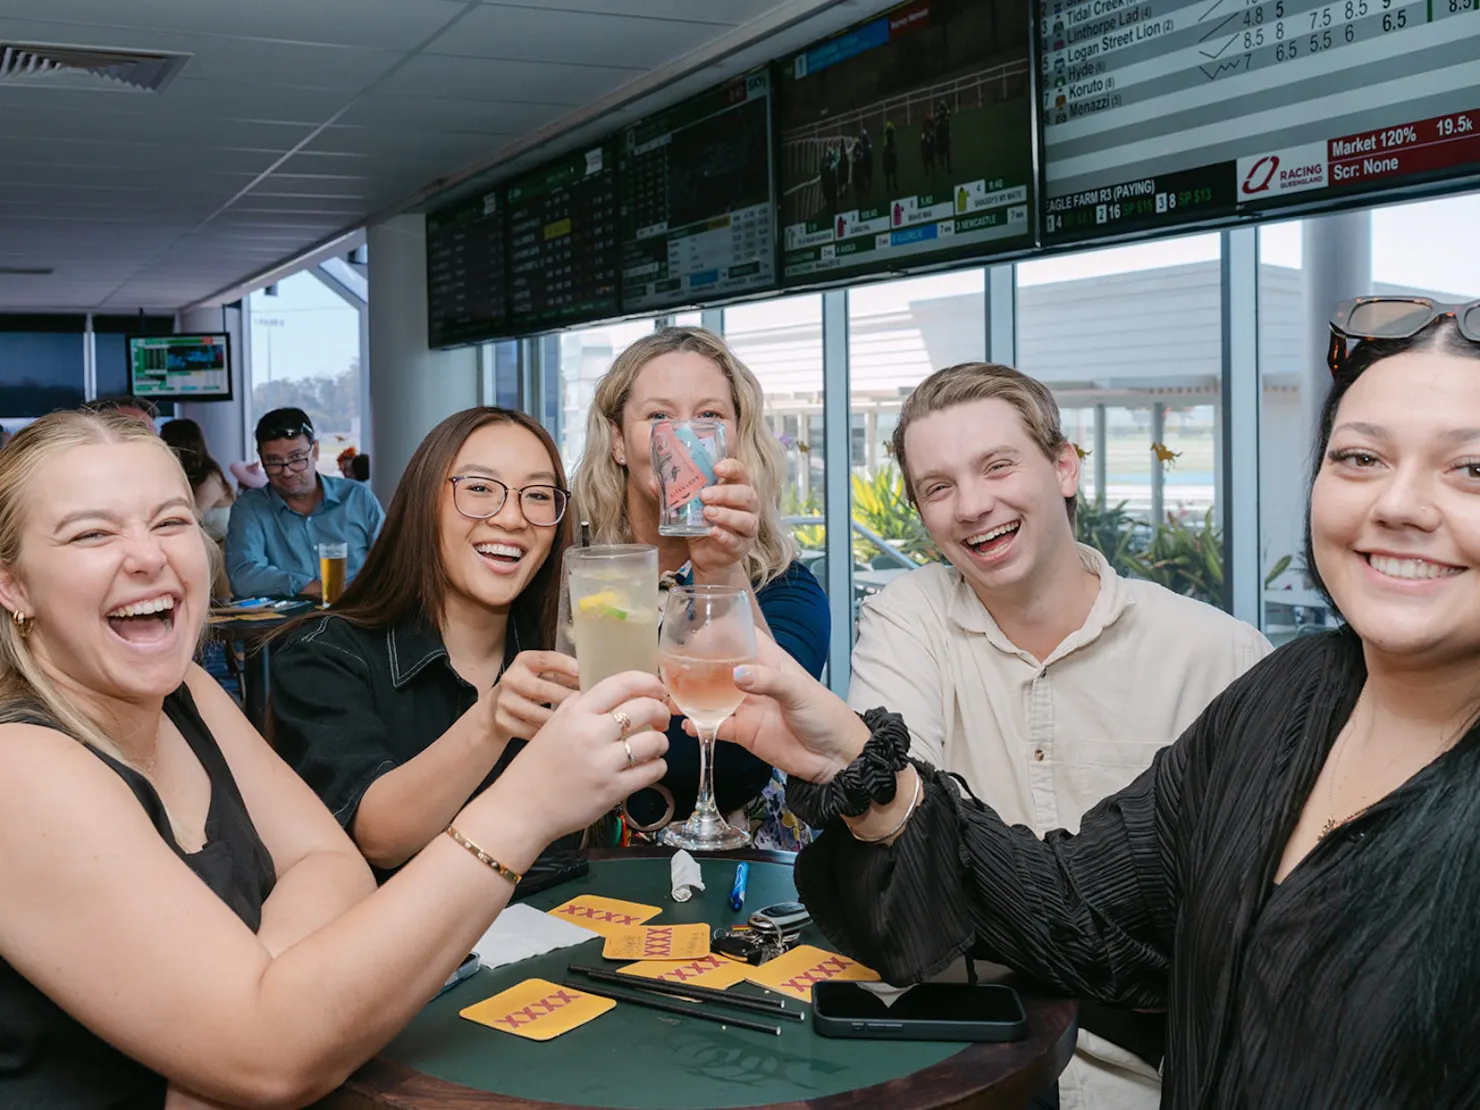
1130	341
306	354
41	367
1291	383
585	356
781	342
1430	248
899	332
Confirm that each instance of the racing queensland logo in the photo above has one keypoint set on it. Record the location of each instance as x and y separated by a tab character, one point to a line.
1294	170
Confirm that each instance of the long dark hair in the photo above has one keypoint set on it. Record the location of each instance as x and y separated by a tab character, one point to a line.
1433	854
1442	336
404	576
188	442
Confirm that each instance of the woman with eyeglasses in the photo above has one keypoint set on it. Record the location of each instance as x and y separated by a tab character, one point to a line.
416	689
1294	880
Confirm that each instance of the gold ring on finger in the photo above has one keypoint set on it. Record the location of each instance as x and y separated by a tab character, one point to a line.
631	760
624	722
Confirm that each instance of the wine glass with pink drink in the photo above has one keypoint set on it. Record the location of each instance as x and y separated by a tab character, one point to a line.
708	631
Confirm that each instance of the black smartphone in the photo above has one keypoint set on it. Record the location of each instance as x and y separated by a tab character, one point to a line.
928	1012
551	870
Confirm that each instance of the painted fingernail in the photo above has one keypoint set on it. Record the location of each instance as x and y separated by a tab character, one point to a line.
744	675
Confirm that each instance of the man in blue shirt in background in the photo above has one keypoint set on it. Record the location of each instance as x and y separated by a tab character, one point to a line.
272	544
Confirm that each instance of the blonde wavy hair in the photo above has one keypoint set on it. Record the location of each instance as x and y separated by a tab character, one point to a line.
26	691
600	483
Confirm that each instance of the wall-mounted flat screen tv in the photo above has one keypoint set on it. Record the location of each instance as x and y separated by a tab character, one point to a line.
180	367
908	140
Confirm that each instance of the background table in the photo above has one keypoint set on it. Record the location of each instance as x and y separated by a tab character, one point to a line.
638	1059
251	630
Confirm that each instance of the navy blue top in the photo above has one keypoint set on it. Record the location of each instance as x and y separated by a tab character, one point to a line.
796	609
273	551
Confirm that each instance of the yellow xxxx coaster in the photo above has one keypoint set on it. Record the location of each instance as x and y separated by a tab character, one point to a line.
602	915
537	1009
713	971
800	969
657	942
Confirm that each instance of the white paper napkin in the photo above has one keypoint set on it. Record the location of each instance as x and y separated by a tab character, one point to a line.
522	931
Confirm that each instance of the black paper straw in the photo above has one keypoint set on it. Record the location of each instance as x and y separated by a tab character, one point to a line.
773	1007
653	1002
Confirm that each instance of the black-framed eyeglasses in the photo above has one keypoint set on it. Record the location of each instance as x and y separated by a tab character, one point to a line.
1363	318
479	498
297	462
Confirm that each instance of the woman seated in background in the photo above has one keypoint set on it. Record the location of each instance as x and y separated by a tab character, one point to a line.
213	496
691	374
1294	879
179	908
413	693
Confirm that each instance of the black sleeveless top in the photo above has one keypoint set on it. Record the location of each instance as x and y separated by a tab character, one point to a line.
48	1060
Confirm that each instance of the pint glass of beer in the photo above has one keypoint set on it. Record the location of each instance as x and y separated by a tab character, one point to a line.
332	558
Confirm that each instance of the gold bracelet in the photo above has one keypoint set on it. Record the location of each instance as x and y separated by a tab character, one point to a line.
483	857
910	812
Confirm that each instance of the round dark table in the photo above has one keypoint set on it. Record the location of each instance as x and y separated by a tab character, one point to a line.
638	1059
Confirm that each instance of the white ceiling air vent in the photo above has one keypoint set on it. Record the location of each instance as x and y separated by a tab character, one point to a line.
48	65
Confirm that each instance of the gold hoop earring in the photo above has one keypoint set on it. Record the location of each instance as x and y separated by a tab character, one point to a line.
22	623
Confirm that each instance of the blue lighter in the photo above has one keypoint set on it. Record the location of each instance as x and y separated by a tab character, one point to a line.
737	891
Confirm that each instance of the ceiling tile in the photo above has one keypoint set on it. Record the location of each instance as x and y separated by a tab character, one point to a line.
732	12
387	24
381	144
426	113
261	61
578	38
513	81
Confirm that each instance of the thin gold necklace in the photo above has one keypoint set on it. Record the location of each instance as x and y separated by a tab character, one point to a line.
1332	824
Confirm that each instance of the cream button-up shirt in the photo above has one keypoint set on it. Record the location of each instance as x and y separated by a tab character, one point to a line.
1043	741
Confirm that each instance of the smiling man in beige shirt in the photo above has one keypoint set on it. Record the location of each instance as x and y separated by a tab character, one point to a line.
1027	665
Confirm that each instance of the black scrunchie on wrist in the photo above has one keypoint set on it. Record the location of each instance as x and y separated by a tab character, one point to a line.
869	779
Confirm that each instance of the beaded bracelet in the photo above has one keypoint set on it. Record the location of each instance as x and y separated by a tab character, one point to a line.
870	779
483	857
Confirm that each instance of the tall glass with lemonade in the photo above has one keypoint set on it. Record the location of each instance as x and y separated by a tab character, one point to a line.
613	605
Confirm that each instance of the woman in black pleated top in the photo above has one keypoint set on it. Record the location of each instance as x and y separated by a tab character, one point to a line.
182	919
1295	879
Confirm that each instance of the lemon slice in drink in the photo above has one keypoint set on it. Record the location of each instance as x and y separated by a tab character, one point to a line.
603	604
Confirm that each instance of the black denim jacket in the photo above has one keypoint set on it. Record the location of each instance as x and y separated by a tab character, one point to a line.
351	703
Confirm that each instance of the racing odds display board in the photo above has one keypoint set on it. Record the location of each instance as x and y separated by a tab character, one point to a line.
908	139
1158	112
465	272
697	198
180	367
562	241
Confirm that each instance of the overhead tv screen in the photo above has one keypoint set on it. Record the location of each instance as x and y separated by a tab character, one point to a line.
465	272
1163	112
698	206
563	250
180	367
908	139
